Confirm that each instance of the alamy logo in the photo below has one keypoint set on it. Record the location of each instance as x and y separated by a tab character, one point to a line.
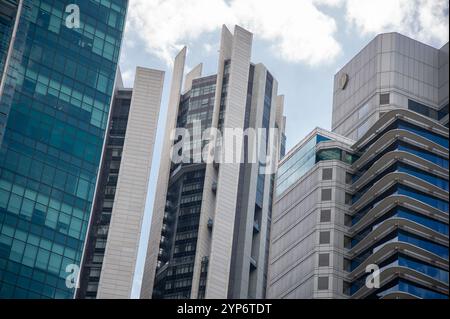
73	19
227	146
373	279
72	277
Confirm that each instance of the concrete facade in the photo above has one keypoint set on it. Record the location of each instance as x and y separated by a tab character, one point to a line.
307	227
391	63
375	191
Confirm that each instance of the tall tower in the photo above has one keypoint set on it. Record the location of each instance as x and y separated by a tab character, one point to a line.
55	94
112	243
373	194
211	219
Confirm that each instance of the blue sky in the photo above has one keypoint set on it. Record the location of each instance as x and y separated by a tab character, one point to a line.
302	42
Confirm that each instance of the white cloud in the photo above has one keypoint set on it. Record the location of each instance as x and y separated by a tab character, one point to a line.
424	20
128	77
295	30
209	48
167	25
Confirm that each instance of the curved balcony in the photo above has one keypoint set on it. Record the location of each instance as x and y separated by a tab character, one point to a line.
388	226
398	156
400	114
399	295
378	147
390	202
387	250
392	272
399	178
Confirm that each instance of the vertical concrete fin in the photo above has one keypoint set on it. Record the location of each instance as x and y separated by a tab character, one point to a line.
163	177
116	279
222	236
119	80
193	74
208	202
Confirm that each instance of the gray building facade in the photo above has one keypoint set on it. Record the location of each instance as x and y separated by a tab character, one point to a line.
211	219
372	194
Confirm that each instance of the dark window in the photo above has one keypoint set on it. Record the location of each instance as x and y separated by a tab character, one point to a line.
327	174
348	199
348	178
347	264
347	220
384	98
326	194
325	216
346	288
324	260
322	283
443	112
422	109
347	242
324	237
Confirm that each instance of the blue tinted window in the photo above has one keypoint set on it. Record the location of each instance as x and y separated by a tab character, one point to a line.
424	154
432	179
430	200
436	273
438	139
403	213
401	285
401	236
423	220
298	164
439	250
419	291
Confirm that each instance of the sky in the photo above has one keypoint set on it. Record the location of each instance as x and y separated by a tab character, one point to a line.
303	43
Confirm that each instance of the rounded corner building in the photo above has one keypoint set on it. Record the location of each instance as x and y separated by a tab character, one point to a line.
363	212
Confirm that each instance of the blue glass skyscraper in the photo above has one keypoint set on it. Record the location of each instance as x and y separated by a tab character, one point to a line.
57	83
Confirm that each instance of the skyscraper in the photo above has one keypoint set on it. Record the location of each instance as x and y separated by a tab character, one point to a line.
112	243
56	88
211	219
362	212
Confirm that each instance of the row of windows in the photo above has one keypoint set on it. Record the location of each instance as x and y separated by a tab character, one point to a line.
191	199
24	200
180	270
185	236
298	164
203	90
33	128
183	283
47	175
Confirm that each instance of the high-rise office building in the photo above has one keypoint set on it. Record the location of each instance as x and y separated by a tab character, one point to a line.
112	243
55	94
211	219
373	194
